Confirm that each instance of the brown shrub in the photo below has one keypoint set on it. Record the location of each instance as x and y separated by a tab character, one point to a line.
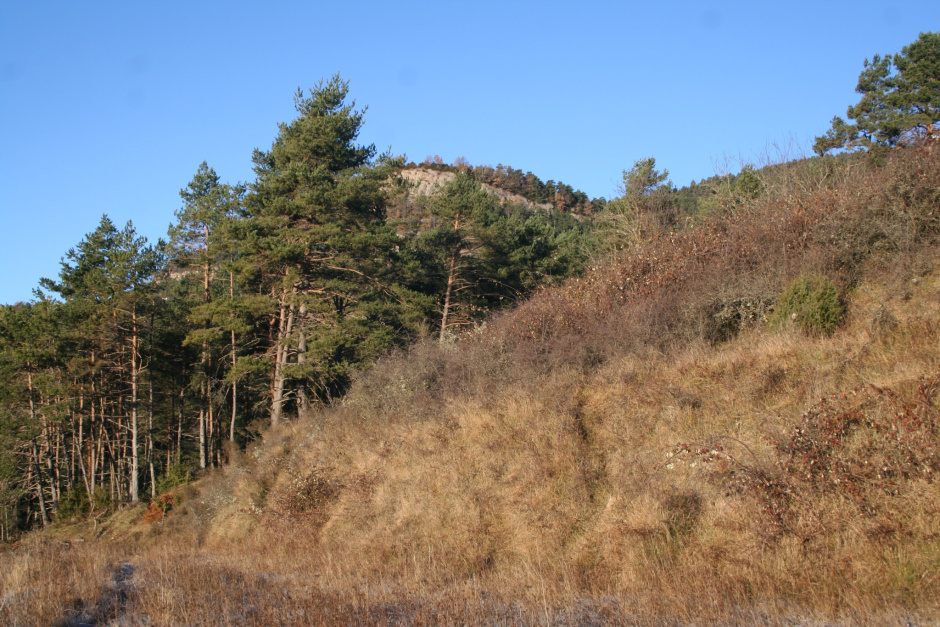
864	448
160	507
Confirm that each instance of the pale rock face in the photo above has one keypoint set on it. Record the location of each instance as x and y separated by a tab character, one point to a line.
427	182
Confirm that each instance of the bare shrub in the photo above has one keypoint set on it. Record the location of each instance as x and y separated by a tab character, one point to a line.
303	495
865	446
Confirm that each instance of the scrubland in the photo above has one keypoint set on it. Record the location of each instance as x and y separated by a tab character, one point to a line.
649	444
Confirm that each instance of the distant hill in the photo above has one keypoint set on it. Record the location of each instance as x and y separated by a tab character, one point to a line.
422	181
517	183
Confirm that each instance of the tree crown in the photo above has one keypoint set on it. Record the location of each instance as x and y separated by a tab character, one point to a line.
900	100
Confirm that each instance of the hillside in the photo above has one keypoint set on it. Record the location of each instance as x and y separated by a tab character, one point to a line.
733	422
143	363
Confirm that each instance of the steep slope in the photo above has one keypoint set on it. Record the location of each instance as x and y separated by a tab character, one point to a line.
653	441
644	430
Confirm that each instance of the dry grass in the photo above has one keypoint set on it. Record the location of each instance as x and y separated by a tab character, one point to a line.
602	455
47	581
558	486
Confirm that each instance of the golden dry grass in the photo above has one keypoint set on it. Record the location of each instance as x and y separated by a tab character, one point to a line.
591	459
561	490
46	581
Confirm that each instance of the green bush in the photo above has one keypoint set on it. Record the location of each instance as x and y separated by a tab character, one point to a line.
176	474
101	499
813	303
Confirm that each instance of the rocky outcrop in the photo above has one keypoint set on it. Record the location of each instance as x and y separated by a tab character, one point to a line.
424	182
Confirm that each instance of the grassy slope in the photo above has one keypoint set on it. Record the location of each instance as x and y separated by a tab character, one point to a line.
593	455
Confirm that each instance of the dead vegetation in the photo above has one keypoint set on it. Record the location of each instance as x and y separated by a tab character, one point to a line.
637	447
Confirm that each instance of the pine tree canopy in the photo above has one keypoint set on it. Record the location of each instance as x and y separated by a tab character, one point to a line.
900	101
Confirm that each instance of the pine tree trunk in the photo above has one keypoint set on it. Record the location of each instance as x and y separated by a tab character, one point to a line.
92	445
39	494
81	446
204	387
135	377
302	402
451	276
35	450
153	473
210	435
231	429
277	397
179	425
285	328
202	437
203	404
54	464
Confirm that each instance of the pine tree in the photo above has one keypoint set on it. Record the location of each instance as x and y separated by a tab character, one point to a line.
477	255
108	282
450	249
900	100
204	239
321	245
643	206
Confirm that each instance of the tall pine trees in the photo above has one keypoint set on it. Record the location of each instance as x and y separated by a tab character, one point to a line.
129	371
108	286
322	248
206	247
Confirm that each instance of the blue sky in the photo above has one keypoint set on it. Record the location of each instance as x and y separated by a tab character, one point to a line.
109	107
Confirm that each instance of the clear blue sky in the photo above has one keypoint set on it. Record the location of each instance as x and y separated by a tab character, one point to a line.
109	107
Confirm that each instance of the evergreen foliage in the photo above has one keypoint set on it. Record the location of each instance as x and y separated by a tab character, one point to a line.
900	100
813	303
476	255
321	248
646	204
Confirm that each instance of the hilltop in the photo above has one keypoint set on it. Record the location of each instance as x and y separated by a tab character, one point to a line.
421	183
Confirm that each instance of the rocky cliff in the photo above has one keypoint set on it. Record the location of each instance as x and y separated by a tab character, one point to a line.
425	182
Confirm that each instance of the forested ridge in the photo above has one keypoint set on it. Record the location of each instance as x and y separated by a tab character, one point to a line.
142	363
723	395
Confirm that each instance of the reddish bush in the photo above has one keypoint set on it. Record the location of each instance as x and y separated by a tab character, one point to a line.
160	507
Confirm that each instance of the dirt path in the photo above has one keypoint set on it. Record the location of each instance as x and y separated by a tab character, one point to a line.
110	608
